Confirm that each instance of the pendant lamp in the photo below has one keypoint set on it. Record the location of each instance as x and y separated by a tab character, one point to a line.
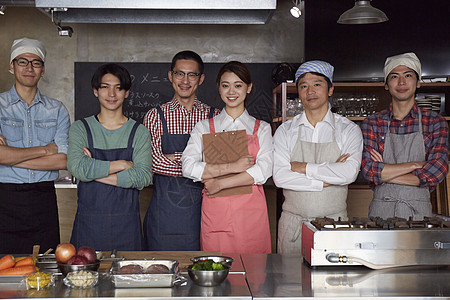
362	13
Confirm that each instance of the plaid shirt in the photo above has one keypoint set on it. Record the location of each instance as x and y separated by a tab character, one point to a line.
179	121
435	135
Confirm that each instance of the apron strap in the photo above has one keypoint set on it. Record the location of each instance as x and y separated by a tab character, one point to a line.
420	120
211	112
132	133
163	120
255	129
212	129
89	134
400	201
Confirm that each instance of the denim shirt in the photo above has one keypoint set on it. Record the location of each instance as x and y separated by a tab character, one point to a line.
44	122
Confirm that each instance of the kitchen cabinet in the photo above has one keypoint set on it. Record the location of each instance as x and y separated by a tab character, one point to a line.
281	93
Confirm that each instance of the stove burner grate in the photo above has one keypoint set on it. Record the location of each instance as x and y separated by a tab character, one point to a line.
379	223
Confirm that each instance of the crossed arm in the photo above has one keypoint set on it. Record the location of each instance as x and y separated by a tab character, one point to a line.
300	167
44	158
398	173
114	167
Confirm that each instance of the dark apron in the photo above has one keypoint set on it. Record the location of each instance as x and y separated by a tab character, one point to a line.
172	221
28	216
108	216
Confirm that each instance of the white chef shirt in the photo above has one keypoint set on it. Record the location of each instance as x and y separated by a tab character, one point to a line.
193	159
348	137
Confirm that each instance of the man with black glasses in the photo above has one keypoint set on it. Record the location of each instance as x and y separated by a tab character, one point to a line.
172	221
33	145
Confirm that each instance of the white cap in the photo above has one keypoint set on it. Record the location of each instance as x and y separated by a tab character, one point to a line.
409	60
26	45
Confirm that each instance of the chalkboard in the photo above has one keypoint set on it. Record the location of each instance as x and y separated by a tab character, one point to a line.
151	87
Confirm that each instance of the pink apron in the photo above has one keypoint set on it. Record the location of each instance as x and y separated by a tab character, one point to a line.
239	223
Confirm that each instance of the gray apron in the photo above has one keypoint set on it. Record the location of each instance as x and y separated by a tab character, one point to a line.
299	207
397	200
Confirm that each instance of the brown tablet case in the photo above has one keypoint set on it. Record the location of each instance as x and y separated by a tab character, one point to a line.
226	147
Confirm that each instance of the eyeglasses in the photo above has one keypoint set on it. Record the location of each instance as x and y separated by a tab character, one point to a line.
23	62
179	75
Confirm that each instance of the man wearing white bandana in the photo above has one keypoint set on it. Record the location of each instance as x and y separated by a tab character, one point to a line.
405	147
33	145
317	154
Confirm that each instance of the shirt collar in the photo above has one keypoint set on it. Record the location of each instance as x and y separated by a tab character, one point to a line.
413	113
174	104
224	116
328	118
16	98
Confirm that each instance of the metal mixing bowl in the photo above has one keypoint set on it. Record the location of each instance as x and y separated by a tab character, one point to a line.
74	268
208	278
225	260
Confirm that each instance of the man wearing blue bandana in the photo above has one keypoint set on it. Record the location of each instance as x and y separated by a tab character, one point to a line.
317	154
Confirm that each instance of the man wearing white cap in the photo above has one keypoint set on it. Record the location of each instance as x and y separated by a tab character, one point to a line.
405	148
317	154
33	145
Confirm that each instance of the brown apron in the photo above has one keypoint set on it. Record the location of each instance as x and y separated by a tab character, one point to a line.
397	200
299	207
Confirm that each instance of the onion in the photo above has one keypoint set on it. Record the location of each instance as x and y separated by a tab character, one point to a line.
64	252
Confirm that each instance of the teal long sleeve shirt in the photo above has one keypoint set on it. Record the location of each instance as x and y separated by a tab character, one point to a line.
88	169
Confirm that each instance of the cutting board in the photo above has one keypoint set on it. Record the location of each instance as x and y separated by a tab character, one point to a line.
183	257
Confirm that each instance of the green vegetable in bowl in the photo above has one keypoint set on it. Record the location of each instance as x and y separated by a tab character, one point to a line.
207	265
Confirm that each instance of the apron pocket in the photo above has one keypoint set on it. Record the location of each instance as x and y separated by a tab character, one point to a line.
216	215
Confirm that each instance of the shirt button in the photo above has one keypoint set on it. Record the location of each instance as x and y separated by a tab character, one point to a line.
30	142
32	173
28	111
29	126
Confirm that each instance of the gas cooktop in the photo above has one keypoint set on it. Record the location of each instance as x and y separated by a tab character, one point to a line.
381	224
376	243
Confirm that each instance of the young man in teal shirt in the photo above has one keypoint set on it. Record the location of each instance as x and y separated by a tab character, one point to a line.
110	155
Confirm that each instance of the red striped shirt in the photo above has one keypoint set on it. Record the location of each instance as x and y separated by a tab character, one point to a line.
179	121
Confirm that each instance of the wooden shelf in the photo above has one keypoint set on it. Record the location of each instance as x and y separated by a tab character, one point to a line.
291	87
441	203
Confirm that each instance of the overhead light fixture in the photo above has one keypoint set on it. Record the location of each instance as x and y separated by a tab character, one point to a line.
2	9
62	30
362	13
296	10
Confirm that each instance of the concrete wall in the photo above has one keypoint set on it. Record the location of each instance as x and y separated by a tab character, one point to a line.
278	41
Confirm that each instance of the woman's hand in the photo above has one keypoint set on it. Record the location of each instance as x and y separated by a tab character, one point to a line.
212	186
243	163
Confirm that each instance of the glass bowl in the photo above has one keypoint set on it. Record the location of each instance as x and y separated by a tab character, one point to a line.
81	279
39	280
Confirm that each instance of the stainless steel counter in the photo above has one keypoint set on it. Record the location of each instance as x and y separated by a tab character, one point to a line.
273	277
234	287
277	276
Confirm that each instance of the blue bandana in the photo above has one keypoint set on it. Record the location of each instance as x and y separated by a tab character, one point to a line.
317	66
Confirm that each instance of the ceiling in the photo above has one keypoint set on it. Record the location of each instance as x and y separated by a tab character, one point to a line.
154	11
